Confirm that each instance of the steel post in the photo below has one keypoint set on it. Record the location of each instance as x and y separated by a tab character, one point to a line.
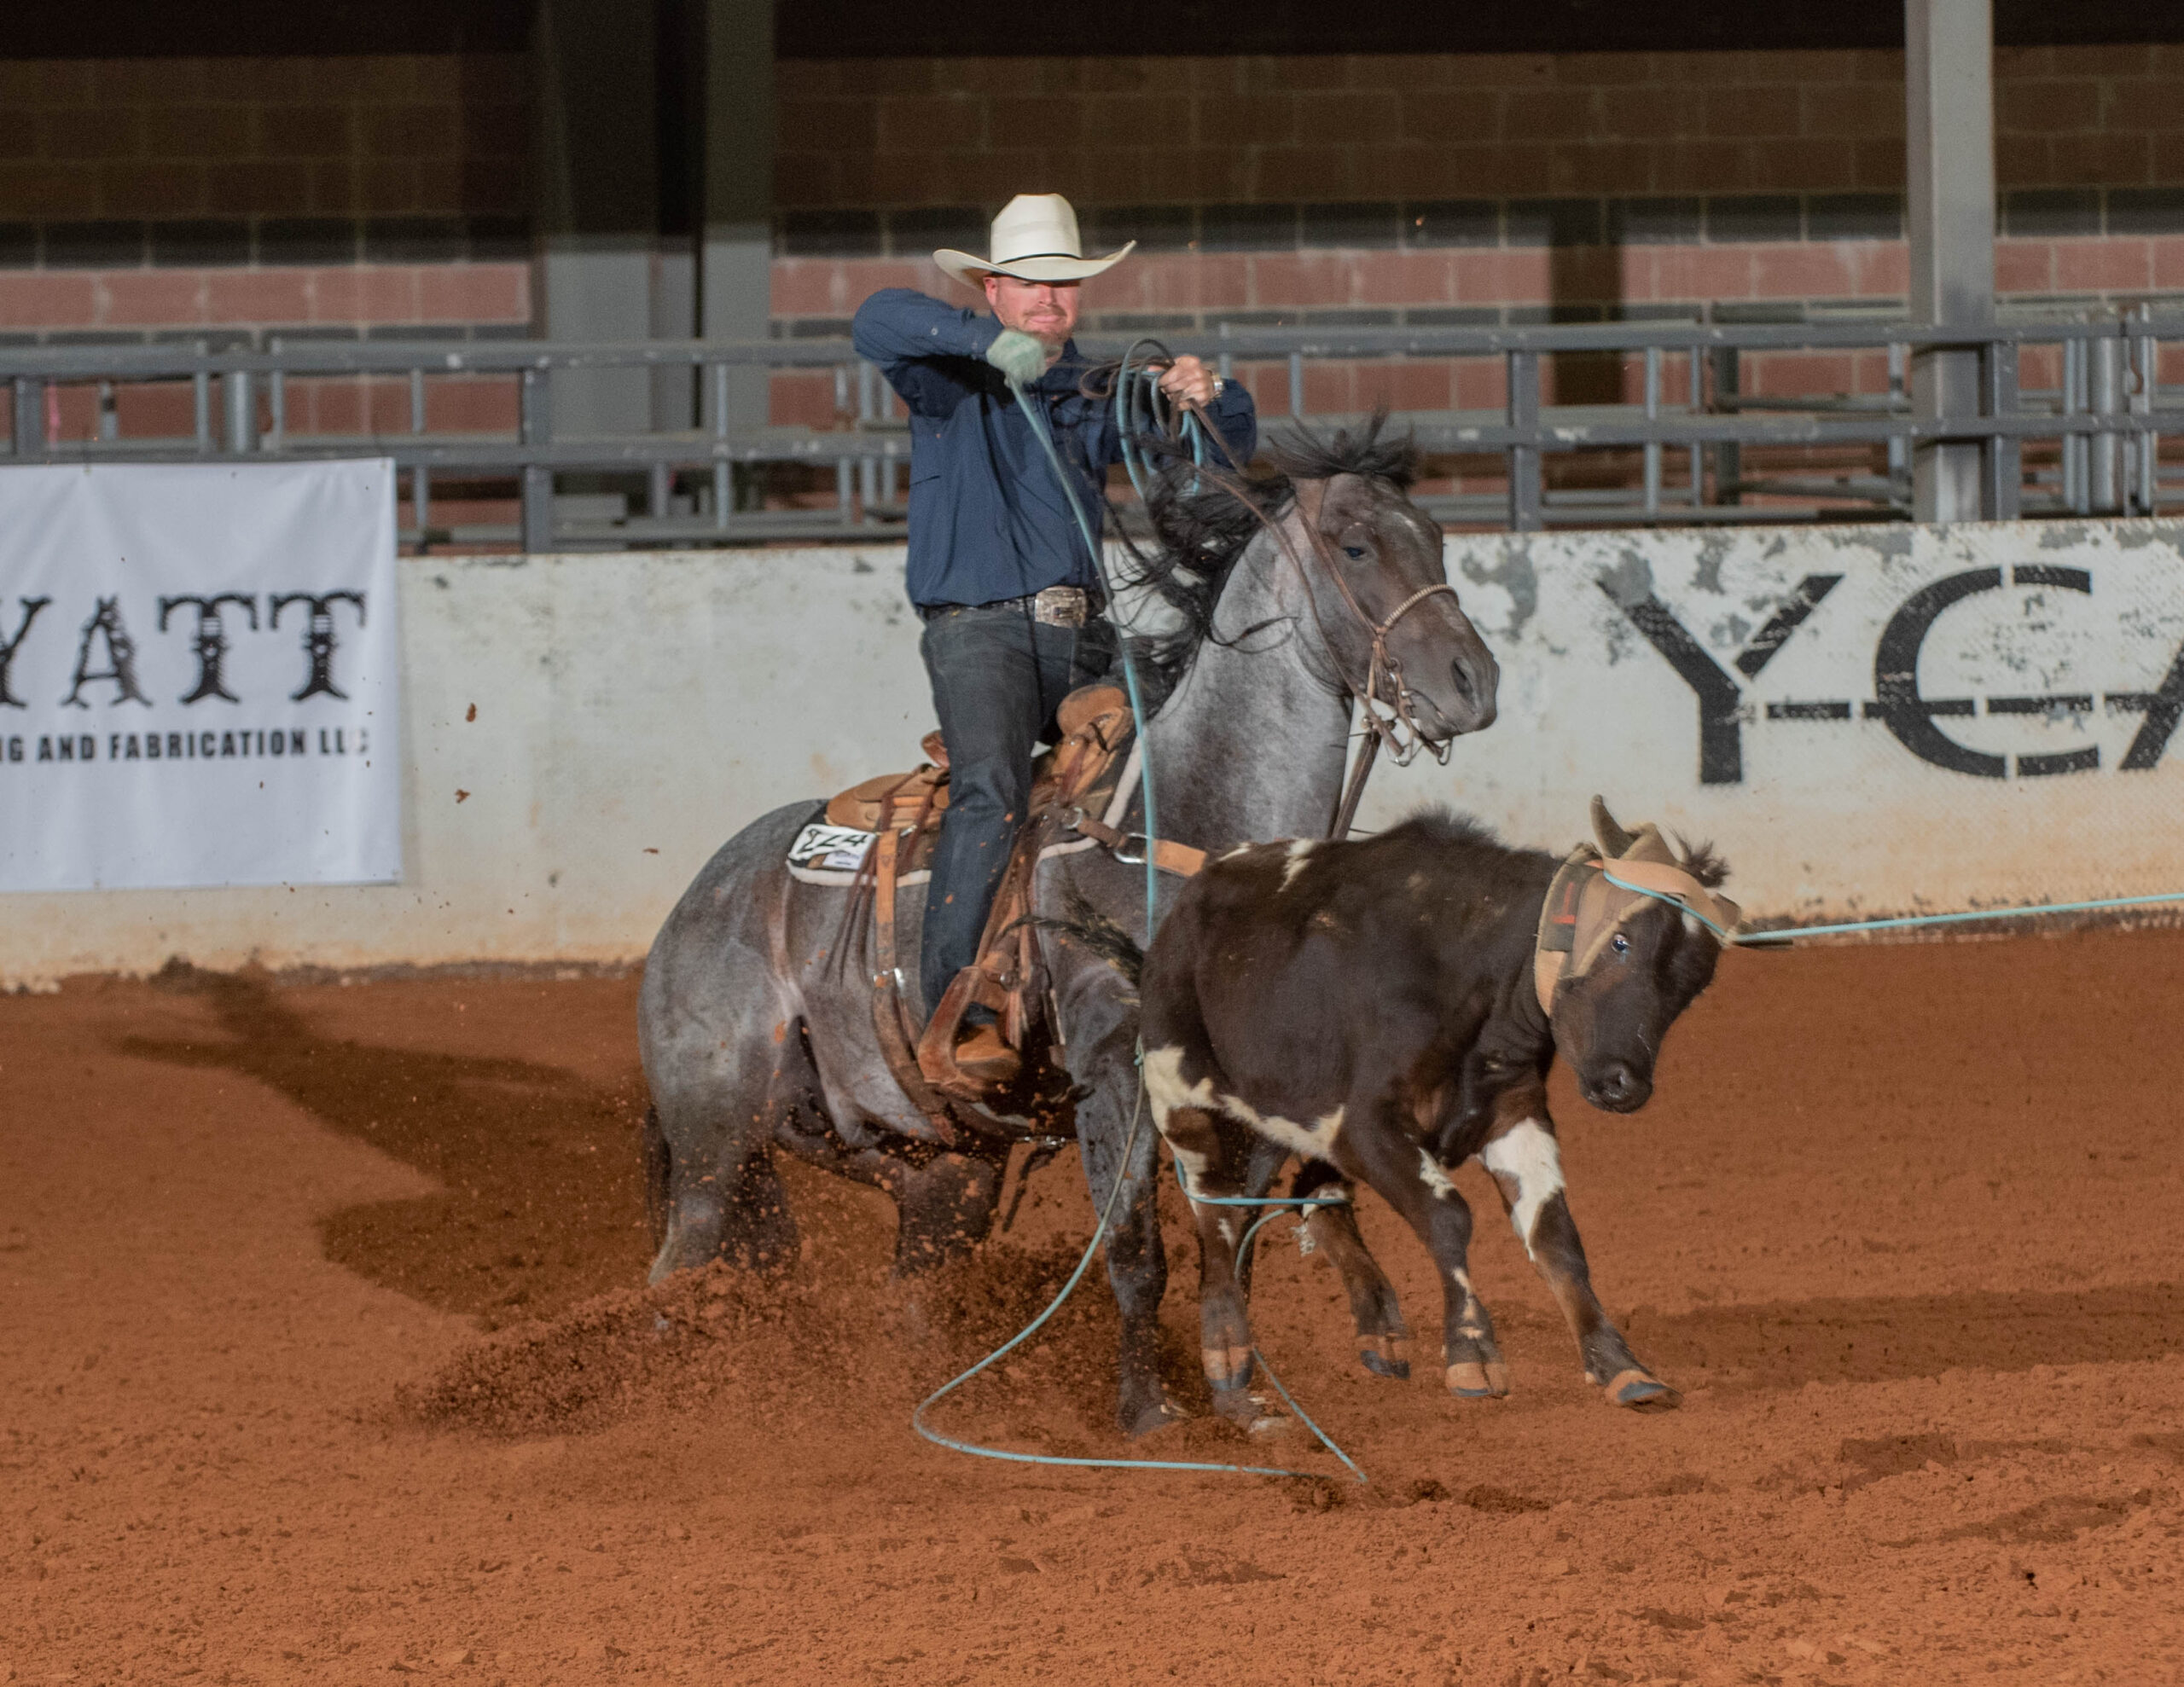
1653	489
736	242
30	416
537	417
1949	86
1728	459
2103	452
1527	498
2001	496
240	405
2145	380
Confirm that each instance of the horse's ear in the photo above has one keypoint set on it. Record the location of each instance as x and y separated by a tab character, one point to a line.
1613	840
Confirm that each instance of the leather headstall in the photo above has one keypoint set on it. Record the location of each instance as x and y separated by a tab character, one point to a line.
1584	911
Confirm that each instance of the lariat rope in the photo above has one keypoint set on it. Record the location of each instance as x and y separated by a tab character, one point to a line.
1123	1176
1737	938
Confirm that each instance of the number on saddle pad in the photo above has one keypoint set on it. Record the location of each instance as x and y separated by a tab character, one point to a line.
821	848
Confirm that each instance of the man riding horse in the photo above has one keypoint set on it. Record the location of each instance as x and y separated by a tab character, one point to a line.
1014	609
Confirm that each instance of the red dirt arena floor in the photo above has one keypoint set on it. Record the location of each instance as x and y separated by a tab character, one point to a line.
323	1357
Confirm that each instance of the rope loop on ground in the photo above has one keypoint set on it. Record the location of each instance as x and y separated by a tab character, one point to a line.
1084	1264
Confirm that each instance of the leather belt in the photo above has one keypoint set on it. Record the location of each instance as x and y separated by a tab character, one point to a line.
1056	607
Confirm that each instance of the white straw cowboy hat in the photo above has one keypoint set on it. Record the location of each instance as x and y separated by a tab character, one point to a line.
1034	239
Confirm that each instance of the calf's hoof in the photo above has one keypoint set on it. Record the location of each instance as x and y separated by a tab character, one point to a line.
1468	1379
1384	1356
1249	1412
1641	1391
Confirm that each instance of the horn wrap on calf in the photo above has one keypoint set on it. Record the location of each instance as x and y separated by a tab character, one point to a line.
1583	911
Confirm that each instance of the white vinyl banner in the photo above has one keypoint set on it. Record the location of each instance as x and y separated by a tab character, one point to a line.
199	667
1865	719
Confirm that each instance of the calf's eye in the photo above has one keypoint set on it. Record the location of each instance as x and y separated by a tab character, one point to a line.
1619	943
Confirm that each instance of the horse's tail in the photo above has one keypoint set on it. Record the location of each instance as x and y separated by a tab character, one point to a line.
1098	932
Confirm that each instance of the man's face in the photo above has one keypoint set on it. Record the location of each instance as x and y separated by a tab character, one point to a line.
1047	310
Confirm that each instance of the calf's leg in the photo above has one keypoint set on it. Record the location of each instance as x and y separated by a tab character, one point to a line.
1527	1168
1412	1182
1383	1337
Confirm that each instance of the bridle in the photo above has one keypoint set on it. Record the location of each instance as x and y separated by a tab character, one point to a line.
1401	734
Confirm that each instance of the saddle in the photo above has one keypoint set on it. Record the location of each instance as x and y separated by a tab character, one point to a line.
1071	786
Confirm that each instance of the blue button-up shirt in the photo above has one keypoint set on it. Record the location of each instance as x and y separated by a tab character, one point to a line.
988	520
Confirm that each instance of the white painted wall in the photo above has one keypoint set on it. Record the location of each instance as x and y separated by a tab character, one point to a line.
1836	818
630	704
632	712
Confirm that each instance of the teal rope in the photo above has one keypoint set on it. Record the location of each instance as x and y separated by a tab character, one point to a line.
1099	1234
1045	437
1744	939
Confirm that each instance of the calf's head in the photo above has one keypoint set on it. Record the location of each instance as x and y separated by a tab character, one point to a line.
1616	965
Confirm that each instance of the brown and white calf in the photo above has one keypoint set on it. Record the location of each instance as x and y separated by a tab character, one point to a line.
1387	1009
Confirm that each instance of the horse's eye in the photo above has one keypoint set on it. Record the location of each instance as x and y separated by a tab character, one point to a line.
1619	943
1355	553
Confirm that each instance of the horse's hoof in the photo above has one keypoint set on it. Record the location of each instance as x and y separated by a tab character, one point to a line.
1470	1380
1383	1355
1642	1393
1269	1426
1152	1419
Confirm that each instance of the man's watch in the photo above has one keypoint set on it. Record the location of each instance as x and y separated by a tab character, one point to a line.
1219	383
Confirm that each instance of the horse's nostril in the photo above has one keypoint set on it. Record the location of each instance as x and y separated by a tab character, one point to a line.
1464	687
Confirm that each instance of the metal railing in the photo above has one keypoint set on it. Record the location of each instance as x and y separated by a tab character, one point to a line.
2101	424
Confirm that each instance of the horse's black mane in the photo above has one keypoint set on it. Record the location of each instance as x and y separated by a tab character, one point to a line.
1201	526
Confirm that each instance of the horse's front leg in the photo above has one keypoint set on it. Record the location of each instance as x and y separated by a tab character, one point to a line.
1527	1168
1116	1140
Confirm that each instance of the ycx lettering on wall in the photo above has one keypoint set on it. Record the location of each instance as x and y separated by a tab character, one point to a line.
107	661
1897	702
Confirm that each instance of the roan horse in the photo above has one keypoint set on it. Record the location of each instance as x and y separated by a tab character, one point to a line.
1388	1008
753	1038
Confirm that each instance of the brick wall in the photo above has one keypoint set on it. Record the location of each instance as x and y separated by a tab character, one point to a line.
226	144
1480	189
873	135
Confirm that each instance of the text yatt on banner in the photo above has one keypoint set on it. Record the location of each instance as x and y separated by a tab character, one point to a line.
199	667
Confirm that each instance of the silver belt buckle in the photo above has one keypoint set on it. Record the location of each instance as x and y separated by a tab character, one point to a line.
1060	607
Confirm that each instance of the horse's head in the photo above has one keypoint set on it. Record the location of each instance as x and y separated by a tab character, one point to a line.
1380	591
1618	966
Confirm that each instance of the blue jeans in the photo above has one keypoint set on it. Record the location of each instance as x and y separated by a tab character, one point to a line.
997	675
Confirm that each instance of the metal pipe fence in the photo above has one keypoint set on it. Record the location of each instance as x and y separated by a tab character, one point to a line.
1525	462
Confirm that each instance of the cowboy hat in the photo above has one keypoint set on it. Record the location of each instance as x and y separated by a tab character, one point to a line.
1035	240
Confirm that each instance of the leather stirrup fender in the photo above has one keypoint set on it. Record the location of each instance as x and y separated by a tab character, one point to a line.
889	1019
